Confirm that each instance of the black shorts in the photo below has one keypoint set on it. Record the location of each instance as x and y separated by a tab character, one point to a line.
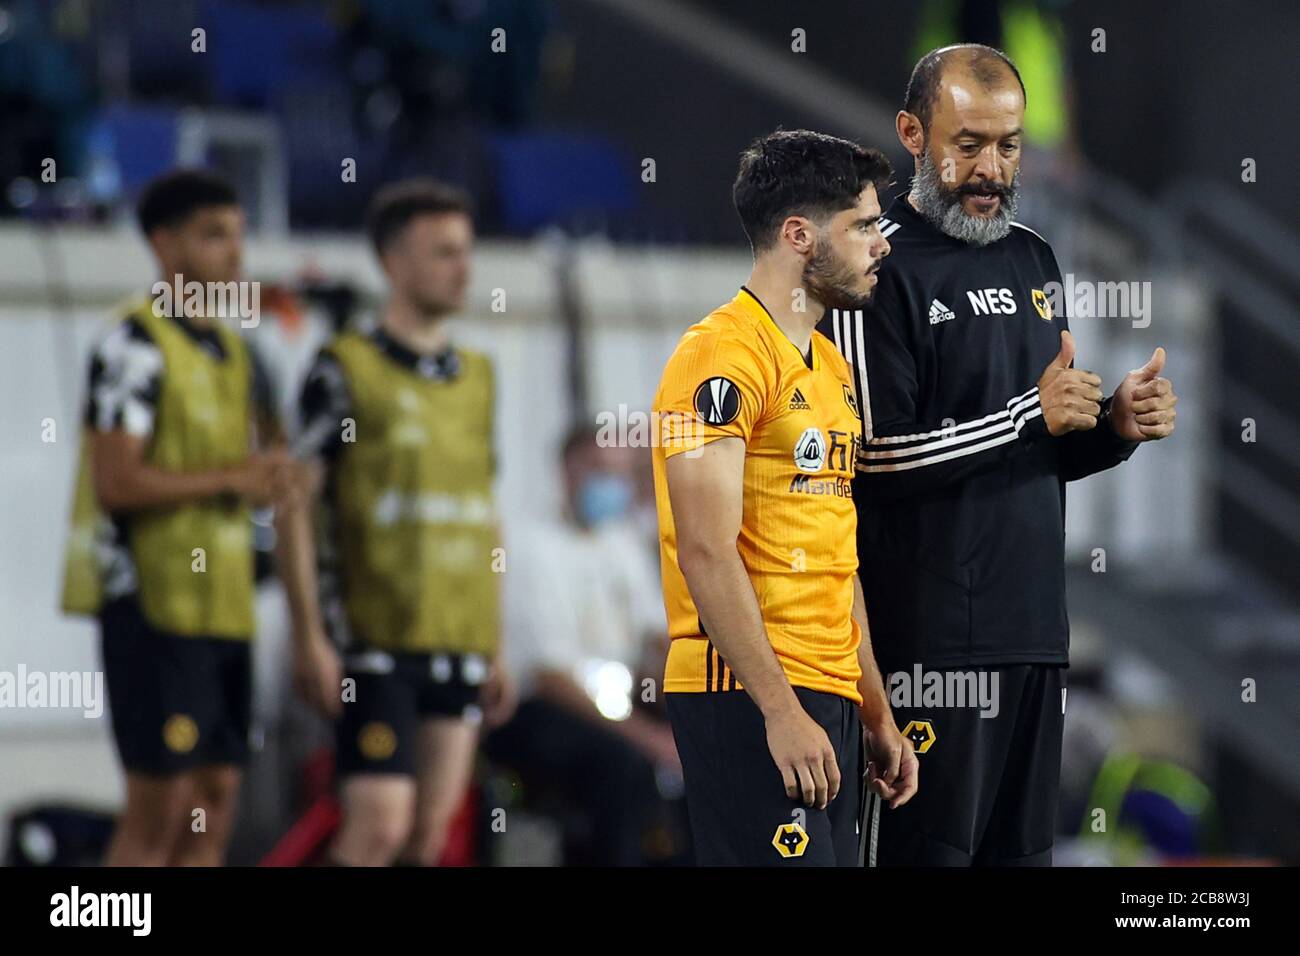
394	693
988	785
177	702
740	814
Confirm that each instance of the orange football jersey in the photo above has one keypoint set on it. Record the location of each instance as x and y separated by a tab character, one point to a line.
736	374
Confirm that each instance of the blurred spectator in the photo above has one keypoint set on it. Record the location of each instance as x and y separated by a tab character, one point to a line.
584	627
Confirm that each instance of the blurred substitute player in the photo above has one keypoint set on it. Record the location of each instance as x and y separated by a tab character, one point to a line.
161	547
770	680
974	420
398	426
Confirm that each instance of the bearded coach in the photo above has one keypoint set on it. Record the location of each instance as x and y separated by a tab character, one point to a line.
976	418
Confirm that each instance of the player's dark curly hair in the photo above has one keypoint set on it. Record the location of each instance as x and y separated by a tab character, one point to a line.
173	197
989	67
801	173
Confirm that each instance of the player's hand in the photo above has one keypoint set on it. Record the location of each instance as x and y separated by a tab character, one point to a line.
1143	407
265	478
498	696
290	479
318	675
249	480
1070	397
805	757
892	768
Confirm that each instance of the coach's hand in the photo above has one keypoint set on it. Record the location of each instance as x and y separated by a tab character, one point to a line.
1143	407
318	674
805	757
1070	397
892	769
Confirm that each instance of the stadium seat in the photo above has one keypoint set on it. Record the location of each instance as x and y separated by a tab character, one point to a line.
558	178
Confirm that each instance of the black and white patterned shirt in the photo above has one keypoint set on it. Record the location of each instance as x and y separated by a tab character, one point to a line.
124	382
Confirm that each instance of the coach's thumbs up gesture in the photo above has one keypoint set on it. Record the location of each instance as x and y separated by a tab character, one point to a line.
1070	397
1143	409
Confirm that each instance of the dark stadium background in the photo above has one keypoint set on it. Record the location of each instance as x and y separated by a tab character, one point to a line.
604	269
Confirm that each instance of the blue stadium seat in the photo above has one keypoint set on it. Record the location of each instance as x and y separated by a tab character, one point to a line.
559	178
255	51
318	132
139	141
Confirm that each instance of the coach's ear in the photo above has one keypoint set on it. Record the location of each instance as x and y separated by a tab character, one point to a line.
911	132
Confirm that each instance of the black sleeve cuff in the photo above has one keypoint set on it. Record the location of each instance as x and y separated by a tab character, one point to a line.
1035	428
1123	447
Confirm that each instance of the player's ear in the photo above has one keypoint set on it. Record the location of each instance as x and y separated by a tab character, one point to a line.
387	261
160	240
911	132
799	233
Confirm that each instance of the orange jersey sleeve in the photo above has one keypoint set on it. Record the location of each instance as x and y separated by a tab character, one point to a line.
714	386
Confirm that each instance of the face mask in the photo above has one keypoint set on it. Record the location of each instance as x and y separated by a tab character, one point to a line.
603	498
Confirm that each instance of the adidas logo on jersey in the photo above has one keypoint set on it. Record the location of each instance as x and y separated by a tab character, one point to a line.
940	313
798	402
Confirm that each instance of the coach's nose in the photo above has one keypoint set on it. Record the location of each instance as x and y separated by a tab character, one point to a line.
986	166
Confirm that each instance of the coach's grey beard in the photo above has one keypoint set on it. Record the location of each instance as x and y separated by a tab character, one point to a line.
942	207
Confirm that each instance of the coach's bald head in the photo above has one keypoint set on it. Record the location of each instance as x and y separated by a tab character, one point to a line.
962	121
963	64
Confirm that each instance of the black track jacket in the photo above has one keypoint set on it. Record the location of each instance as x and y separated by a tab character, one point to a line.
960	489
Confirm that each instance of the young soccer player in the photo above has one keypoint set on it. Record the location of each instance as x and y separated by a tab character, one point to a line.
398	425
162	539
770	680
